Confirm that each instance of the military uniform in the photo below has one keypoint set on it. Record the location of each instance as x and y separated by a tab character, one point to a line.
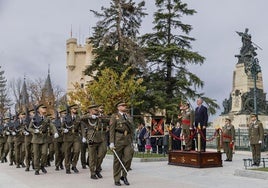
2	141
19	143
121	138
40	140
10	141
96	139
72	141
256	135
187	122
228	139
28	147
58	144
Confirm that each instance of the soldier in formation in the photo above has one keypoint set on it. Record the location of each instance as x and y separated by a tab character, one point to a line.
94	133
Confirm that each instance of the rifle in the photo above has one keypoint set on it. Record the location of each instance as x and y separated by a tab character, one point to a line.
37	120
68	118
57	121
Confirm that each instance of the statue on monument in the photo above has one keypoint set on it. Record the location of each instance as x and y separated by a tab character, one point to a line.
247	48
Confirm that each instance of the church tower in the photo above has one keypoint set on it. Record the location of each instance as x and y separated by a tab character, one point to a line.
47	97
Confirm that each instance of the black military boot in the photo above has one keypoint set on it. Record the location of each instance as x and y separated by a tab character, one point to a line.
43	170
98	174
36	172
61	166
75	169
68	171
57	168
94	177
124	179
27	169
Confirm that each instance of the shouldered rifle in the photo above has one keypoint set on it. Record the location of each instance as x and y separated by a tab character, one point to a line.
68	118
37	120
57	121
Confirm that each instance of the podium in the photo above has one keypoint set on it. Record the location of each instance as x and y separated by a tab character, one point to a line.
195	159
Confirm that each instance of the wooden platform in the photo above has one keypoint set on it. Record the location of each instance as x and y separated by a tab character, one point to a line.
195	159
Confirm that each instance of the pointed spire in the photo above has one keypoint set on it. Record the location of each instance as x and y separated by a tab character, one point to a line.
47	89
24	94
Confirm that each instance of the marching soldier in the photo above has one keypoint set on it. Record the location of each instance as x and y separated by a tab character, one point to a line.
10	140
28	141
84	157
2	140
72	138
39	127
95	136
5	144
19	140
121	137
256	135
58	142
228	139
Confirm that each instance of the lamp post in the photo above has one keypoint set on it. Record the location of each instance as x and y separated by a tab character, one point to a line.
253	68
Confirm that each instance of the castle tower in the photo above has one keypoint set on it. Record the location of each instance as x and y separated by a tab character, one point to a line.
241	100
78	58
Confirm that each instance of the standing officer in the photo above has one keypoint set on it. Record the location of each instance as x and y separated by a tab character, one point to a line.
96	139
72	138
121	137
228	139
39	127
201	119
187	122
256	135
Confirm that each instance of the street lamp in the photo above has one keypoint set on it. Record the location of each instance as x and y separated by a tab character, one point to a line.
252	69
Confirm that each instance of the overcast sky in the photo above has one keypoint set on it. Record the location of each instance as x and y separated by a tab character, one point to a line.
33	34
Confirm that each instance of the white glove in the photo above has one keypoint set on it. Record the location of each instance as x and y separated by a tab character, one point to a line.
112	147
65	130
84	140
26	133
7	133
56	135
36	131
260	141
13	133
94	116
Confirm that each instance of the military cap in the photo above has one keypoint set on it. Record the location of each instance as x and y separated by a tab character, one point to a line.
73	106
93	106
253	115
228	119
41	106
22	113
31	110
62	111
6	118
120	103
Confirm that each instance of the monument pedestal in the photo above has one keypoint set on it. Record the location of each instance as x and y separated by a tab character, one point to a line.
195	159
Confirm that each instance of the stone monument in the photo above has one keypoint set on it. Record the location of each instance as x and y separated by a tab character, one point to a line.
247	95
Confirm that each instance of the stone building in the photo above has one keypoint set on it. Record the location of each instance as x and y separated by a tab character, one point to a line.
78	58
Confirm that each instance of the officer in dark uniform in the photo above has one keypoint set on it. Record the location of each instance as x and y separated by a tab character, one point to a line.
39	127
121	138
72	139
256	135
95	136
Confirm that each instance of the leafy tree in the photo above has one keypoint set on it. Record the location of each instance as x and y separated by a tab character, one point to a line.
108	90
168	52
115	35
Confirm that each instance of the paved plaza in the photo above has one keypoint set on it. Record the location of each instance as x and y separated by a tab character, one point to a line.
156	174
